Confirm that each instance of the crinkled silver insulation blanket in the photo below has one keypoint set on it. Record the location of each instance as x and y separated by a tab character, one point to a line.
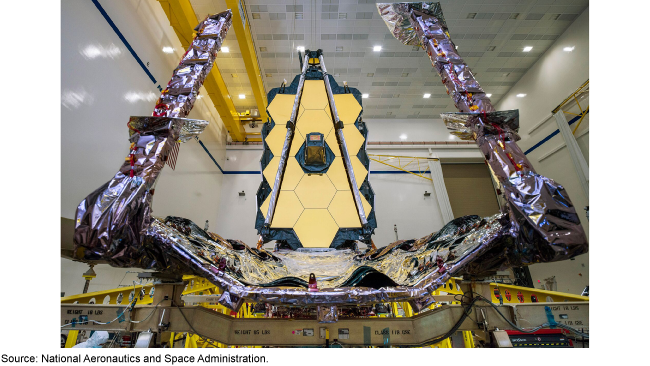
178	98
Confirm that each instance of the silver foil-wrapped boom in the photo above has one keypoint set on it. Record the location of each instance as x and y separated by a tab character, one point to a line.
396	16
544	225
190	128
463	125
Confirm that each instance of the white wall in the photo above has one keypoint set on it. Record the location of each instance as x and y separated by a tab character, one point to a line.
552	78
408	130
72	283
102	85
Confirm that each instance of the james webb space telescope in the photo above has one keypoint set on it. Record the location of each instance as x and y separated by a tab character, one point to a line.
315	191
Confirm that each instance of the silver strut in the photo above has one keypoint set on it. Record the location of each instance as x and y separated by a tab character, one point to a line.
344	147
291	124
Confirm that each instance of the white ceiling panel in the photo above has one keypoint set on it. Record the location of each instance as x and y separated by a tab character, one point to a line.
491	43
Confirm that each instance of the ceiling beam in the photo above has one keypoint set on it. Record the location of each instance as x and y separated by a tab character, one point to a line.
183	20
247	48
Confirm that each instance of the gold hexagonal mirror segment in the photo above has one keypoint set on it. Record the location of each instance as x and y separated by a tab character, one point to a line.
316	228
314	121
297	142
353	139
347	107
292	175
344	211
337	174
265	206
360	171
275	139
280	108
315	191
366	205
333	143
287	211
314	95
271	170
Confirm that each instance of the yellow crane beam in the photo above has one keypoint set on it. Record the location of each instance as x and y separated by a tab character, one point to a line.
183	19
247	48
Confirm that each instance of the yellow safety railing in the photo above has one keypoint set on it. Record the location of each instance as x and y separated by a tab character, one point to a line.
196	285
415	165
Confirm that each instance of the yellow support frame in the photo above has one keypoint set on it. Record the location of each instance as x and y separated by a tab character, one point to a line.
247	48
195	285
574	97
71	341
183	19
527	293
403	162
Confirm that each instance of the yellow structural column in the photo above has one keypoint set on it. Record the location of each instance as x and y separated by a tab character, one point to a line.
245	41
72	338
183	19
468	339
190	340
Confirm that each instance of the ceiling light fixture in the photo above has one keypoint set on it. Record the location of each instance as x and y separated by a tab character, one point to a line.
301	48
242	96
521	95
339	48
364	96
376	48
298	15
528	48
488	95
225	49
471	15
427	95
403	136
370	74
168	50
568	49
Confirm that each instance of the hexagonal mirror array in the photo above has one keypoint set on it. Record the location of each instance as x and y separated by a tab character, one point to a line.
315	205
